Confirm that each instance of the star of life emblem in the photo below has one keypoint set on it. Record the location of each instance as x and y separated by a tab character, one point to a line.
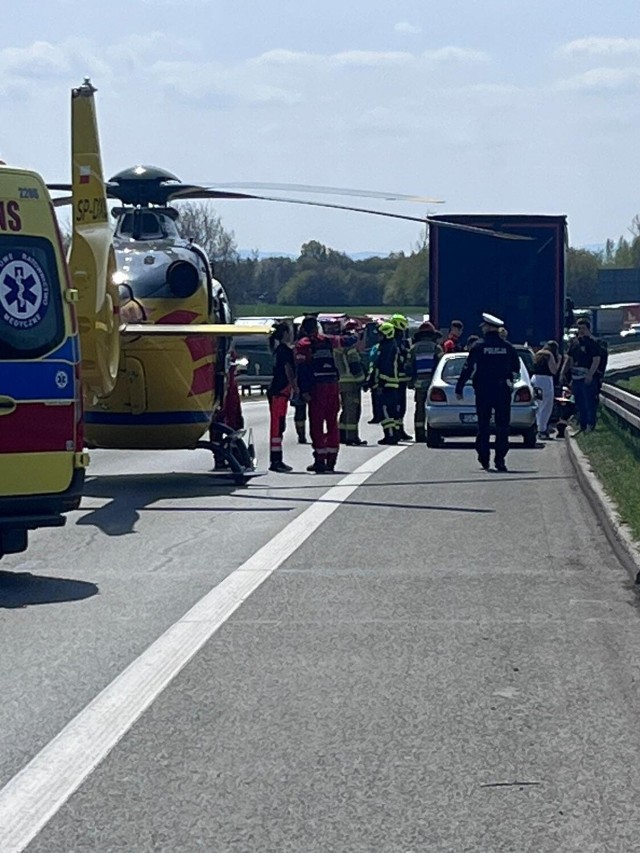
24	291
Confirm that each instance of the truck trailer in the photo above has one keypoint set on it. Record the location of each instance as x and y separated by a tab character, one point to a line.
515	271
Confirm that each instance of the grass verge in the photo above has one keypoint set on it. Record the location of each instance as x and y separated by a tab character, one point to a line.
632	384
614	453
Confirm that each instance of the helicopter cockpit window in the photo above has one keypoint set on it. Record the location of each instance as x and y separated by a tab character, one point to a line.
145	225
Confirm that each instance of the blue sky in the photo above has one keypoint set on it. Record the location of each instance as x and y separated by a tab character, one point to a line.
500	105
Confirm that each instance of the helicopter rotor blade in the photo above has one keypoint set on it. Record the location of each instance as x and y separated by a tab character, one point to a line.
185	192
423	219
322	190
62	201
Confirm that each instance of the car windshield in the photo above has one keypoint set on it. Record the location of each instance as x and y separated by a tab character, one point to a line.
452	368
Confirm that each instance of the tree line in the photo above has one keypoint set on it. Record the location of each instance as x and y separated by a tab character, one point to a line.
320	276
583	265
323	277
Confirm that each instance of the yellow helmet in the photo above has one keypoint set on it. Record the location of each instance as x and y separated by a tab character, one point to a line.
387	330
399	321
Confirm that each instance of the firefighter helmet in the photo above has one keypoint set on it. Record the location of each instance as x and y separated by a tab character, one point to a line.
387	330
399	321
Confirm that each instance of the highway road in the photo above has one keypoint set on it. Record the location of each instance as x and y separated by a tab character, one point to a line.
422	656
621	360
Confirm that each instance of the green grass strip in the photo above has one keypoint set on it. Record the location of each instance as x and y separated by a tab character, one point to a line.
632	384
614	453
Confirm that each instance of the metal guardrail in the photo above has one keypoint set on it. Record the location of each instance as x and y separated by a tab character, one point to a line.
623	403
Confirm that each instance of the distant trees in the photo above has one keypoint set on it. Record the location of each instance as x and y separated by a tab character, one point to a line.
323	277
582	275
583	265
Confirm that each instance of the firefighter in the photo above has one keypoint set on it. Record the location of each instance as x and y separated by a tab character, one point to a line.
318	382
387	369
351	379
423	357
401	324
371	383
283	387
494	364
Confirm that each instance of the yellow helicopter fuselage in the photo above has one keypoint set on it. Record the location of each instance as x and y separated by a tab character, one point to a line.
166	392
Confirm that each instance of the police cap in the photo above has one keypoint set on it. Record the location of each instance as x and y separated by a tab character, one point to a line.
492	320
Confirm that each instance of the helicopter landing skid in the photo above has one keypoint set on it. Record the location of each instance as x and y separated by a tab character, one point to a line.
233	453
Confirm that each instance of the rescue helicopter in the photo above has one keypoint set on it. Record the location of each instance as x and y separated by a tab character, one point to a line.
155	325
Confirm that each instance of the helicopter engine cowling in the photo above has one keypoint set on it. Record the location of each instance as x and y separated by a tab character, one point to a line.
183	279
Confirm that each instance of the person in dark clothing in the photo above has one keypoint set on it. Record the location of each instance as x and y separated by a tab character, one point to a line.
602	367
283	386
401	324
387	369
424	355
492	364
583	360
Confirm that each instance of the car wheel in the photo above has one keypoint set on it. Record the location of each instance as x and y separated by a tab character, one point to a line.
434	438
530	436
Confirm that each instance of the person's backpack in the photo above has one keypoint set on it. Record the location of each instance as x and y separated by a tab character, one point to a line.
603	346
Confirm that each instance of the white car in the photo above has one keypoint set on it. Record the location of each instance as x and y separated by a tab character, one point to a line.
448	416
632	331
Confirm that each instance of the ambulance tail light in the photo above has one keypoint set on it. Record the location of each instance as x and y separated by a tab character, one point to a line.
437	395
522	395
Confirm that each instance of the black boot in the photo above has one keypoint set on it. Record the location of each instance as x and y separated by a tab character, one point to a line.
318	466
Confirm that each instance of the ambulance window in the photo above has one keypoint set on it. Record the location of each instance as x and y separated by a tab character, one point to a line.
31	317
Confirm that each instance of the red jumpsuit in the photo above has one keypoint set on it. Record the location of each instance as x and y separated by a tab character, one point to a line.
318	377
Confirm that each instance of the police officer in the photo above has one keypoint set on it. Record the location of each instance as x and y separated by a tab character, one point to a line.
492	364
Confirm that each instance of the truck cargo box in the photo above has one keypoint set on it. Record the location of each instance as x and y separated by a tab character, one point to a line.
521	281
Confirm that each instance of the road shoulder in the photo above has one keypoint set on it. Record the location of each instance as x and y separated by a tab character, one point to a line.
618	534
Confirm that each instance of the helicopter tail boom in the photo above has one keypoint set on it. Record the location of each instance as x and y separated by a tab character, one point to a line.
92	258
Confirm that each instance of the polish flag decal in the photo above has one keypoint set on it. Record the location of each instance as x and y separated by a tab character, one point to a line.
85	174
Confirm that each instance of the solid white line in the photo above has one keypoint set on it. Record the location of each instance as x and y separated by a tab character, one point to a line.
38	791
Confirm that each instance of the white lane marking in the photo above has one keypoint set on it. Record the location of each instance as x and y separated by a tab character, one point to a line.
36	793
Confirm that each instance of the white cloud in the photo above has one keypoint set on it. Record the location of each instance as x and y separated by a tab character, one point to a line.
405	28
39	59
371	58
603	79
596	45
456	54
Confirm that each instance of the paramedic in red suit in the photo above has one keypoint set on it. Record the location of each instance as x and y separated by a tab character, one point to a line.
318	382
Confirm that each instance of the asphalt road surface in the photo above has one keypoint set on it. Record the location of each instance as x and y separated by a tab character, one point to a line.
620	360
431	658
